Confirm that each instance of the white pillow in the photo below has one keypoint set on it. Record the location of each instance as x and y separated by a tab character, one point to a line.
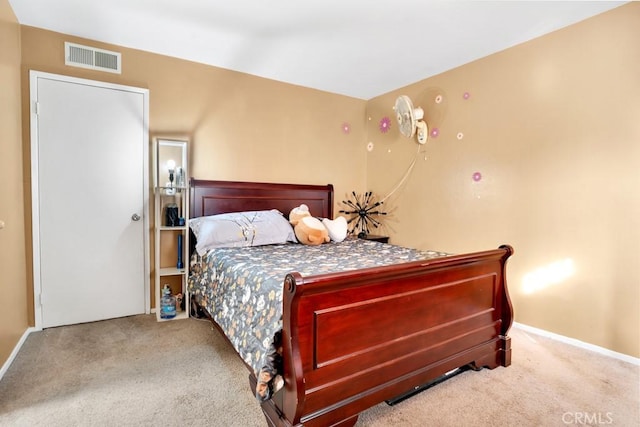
236	229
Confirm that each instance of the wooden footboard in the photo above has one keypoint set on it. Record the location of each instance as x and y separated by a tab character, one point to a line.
353	340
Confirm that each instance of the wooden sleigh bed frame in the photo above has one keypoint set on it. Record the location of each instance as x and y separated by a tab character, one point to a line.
352	340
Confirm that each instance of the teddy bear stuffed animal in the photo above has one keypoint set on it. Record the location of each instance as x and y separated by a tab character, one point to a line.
298	213
311	231
308	229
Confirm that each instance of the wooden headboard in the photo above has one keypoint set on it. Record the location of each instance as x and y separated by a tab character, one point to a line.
215	197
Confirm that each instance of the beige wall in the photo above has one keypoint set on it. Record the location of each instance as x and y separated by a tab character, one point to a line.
553	126
241	127
13	292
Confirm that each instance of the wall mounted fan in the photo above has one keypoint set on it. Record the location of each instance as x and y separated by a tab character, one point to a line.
410	120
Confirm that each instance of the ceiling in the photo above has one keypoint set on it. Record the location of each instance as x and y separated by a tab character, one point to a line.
357	48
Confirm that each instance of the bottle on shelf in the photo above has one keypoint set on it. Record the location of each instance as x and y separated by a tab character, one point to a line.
167	304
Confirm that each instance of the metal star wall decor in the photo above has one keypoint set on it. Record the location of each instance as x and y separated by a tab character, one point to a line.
365	212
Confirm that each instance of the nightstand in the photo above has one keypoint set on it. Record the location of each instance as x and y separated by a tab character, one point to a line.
374	237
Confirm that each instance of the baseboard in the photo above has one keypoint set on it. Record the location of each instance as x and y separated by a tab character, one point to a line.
577	343
15	351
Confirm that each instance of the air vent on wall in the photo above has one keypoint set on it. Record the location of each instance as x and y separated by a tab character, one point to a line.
90	57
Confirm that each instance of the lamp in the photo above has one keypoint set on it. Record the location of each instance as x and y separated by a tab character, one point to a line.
171	168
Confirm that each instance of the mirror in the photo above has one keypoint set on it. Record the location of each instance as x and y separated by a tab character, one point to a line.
171	165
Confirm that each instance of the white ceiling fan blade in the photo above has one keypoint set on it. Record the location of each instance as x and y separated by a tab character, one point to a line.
404	114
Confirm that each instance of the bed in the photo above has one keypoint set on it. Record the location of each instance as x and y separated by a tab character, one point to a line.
352	339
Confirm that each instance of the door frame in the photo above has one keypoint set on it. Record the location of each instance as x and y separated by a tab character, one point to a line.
35	191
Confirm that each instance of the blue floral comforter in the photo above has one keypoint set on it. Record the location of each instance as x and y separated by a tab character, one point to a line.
241	288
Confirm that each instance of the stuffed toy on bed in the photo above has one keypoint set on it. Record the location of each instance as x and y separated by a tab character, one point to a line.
312	231
298	213
308	229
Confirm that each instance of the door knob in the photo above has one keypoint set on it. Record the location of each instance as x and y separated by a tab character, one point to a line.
135	217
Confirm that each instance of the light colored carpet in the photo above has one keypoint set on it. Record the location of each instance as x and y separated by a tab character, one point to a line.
135	371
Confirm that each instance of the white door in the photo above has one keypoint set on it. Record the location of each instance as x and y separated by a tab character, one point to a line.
89	143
